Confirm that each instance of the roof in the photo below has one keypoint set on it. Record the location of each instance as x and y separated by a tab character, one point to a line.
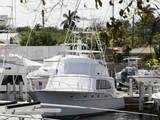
132	58
143	50
82	51
116	49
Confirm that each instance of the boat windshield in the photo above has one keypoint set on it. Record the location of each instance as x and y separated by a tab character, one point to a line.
77	67
84	67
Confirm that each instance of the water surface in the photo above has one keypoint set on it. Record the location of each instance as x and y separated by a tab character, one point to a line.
118	116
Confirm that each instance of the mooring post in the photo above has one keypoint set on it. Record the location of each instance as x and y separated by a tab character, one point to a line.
157	106
21	90
14	88
130	87
149	91
8	89
141	96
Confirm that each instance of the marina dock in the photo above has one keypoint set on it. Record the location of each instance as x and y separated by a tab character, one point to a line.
21	111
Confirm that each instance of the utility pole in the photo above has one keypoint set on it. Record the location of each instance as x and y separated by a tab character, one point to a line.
12	14
113	9
15	13
43	12
132	30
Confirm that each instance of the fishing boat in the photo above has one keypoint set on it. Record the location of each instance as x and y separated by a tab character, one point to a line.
80	85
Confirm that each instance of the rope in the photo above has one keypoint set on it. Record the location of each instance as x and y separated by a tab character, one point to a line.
53	9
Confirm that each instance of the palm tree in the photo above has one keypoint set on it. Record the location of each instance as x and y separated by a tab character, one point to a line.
147	24
70	20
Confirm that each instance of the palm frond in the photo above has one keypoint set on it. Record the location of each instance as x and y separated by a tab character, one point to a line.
65	15
69	13
73	14
64	22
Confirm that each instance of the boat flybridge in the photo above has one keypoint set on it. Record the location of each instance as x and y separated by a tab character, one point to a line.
80	85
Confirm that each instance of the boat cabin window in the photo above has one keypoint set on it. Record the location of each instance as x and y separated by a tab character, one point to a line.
9	79
102	84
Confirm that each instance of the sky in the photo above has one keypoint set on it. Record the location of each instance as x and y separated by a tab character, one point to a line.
29	14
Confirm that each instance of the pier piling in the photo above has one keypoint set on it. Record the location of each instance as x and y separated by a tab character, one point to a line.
130	87
141	96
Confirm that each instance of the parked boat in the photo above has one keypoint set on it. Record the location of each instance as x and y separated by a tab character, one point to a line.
80	86
133	71
13	83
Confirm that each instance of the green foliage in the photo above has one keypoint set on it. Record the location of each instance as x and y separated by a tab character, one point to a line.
116	33
156	38
157	50
156	42
152	64
98	3
104	38
147	27
41	36
125	11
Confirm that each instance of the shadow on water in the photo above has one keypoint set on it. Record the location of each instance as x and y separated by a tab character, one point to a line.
113	116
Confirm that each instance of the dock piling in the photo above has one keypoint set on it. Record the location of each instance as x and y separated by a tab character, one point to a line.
150	91
130	87
141	96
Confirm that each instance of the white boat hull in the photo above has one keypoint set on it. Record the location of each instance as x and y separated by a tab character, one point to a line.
71	104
